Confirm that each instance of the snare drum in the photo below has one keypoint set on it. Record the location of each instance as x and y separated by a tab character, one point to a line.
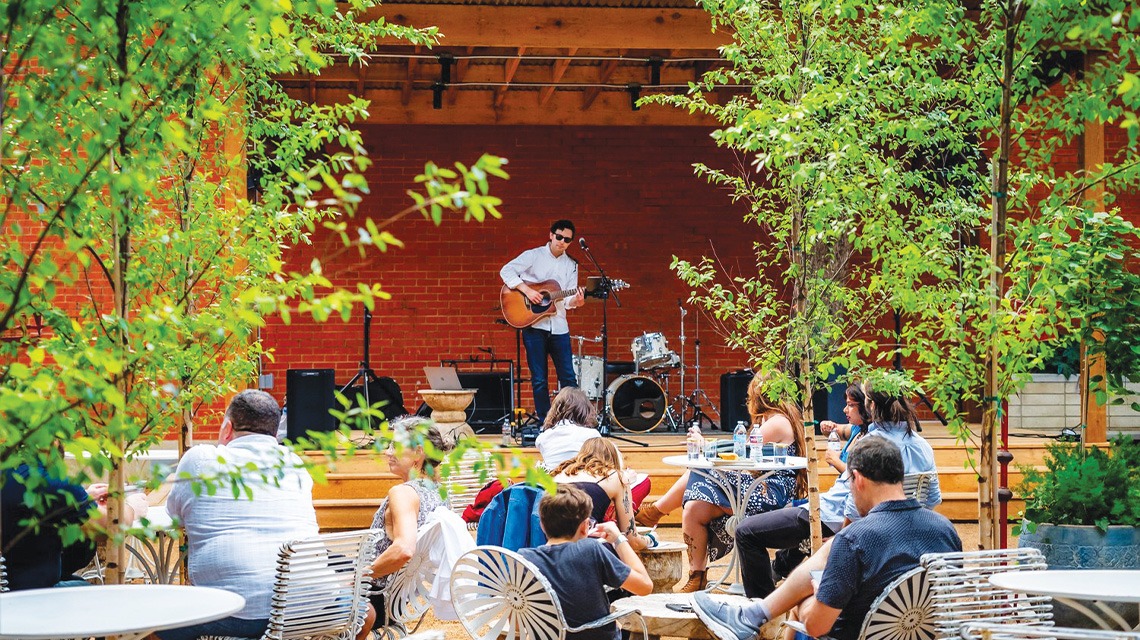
651	351
636	403
588	370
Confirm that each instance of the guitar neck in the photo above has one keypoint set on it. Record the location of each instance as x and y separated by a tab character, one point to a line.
558	295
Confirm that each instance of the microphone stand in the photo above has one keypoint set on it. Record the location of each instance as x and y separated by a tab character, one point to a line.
605	290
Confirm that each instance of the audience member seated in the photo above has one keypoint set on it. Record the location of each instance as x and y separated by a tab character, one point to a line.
31	538
234	539
579	566
857	563
707	508
597	470
411	505
572	421
786	529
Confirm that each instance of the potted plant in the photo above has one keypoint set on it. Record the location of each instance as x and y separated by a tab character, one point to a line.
1083	511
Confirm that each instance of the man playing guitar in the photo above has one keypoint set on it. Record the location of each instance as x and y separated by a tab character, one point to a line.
551	334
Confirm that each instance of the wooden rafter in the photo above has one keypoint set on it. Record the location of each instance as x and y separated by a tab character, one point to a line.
606	70
560	67
509	69
409	79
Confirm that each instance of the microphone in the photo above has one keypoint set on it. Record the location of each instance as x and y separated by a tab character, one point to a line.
582	243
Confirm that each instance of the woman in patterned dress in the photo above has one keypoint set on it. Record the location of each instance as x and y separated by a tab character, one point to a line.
408	504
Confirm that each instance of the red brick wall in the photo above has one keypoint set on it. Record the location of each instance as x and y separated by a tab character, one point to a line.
630	191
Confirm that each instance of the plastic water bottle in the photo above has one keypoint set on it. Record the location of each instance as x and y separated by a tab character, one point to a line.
755	444
740	441
694	445
833	442
506	432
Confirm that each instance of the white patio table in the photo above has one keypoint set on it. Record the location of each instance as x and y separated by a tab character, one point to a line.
129	611
737	501
1072	587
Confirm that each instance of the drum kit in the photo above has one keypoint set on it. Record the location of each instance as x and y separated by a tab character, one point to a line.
637	394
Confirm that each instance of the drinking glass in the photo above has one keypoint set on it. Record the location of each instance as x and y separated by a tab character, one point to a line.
779	453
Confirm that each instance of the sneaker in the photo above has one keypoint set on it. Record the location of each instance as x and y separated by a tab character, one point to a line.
725	621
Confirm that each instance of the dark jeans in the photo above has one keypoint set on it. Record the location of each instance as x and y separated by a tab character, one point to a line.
226	627
779	529
539	343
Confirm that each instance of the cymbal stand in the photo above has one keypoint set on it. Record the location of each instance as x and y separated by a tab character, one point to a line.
696	400
605	290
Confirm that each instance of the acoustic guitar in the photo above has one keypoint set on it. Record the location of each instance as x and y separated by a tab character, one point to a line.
520	312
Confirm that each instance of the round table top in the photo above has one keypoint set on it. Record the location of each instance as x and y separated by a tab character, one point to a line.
1110	585
791	463
83	612
662	621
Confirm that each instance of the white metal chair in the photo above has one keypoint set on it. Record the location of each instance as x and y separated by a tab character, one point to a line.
406	596
960	589
496	591
464	483
901	612
157	558
917	485
426	635
998	631
3	576
321	587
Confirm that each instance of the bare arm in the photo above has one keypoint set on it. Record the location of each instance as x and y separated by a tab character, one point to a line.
403	509
638	582
817	617
623	510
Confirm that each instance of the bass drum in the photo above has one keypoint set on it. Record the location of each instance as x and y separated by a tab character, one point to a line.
636	403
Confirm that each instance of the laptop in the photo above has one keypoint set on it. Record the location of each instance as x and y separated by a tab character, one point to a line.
443	378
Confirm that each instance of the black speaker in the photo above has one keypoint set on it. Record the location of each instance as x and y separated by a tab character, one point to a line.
382	389
734	398
492	401
309	394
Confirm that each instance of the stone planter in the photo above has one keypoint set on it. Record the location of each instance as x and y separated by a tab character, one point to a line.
1086	547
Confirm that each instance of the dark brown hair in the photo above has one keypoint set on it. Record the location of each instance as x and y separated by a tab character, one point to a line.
564	511
571	404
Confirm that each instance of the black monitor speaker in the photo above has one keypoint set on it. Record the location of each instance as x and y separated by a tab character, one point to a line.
734	398
309	395
492	399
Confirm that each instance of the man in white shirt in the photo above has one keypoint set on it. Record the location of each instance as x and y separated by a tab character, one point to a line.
551	335
233	541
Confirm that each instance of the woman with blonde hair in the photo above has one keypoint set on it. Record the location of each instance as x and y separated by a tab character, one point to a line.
598	470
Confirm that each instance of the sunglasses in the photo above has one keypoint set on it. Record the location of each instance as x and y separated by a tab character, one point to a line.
561	238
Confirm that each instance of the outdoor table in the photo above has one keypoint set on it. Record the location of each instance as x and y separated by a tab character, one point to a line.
1070	586
662	621
128	611
737	502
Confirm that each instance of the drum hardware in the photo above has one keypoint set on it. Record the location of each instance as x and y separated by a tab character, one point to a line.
602	287
589	370
697	397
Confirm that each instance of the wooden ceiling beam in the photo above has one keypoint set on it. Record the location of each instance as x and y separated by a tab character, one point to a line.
559	70
557	27
477	108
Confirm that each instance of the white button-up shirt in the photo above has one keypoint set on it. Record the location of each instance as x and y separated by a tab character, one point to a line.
233	542
539	265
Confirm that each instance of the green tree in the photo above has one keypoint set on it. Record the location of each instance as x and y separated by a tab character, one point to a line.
836	137
136	270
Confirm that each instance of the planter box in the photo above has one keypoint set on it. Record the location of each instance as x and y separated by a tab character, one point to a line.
1051	402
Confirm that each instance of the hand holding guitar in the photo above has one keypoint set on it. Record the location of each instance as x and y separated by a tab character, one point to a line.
577	300
531	294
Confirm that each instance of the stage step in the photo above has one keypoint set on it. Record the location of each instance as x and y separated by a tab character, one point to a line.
357	484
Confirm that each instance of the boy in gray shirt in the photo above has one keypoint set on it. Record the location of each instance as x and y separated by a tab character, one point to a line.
579	566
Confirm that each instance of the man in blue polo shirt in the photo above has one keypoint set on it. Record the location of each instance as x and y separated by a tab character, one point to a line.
858	563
